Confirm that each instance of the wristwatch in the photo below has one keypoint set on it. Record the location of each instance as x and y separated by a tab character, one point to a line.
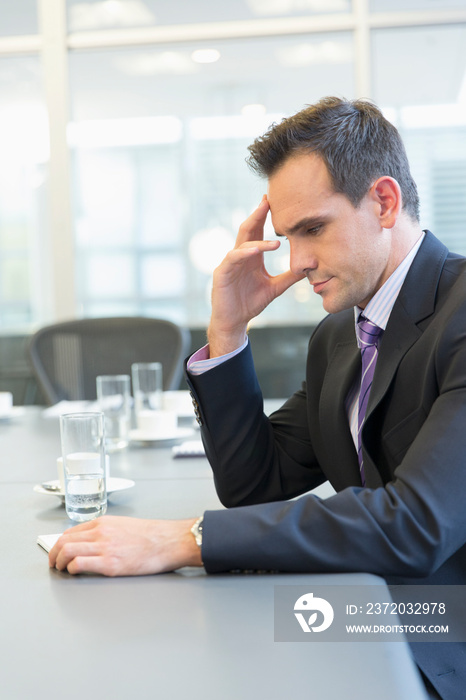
197	531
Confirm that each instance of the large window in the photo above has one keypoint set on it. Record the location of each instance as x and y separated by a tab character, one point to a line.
421	5
431	115
129	202
23	170
18	17
160	179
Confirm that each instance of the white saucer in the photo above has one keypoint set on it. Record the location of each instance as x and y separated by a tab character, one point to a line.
113	484
144	436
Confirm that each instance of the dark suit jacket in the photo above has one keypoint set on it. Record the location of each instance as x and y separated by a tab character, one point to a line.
409	523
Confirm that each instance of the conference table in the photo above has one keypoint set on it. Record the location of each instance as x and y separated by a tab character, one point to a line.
178	635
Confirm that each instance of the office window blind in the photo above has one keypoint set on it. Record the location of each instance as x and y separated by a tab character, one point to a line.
449	203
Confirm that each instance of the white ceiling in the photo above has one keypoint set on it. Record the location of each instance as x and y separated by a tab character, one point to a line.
20	16
410	66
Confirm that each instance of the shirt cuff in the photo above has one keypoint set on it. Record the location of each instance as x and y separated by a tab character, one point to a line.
200	362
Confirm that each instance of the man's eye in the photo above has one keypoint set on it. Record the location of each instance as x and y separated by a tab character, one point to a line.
314	230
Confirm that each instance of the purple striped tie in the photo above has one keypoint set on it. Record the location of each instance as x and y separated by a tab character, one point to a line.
368	338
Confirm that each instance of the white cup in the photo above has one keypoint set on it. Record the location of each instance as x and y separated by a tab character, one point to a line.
6	403
178	401
157	424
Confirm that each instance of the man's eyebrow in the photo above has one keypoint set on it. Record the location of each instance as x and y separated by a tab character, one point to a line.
307	222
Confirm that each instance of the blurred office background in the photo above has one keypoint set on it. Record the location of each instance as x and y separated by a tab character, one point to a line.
124	127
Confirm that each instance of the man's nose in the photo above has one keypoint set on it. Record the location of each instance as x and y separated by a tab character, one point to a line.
302	258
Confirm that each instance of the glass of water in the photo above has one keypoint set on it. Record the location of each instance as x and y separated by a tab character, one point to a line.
83	452
147	386
114	397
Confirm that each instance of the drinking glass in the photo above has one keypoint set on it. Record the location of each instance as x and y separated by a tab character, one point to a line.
147	386
83	452
113	395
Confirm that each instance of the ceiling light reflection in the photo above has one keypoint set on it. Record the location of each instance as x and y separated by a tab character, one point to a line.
156	63
428	116
315	53
286	7
253	110
231	127
205	55
124	132
109	13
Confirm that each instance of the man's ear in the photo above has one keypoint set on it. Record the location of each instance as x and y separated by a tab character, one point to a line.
386	193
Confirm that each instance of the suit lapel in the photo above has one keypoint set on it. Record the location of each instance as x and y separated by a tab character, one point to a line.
415	302
399	336
343	468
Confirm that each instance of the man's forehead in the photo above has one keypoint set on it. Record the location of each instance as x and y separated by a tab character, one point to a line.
299	176
302	161
299	197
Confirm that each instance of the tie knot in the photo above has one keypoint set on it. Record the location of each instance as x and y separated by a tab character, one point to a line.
367	332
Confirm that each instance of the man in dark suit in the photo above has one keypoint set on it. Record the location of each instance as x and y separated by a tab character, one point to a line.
340	191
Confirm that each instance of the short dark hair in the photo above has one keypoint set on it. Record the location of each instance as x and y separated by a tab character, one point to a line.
356	142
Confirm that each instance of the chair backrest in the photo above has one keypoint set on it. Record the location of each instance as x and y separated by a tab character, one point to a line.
67	357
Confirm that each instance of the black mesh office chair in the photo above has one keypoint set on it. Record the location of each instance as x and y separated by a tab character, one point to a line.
67	357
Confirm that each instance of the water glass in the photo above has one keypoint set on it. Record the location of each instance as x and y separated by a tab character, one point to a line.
114	397
83	453
147	386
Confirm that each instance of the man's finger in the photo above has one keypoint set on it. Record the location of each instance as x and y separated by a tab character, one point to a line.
70	550
250	248
78	533
253	228
89	565
285	281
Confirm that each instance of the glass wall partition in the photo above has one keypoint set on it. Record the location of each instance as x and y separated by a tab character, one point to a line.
24	153
153	105
159	140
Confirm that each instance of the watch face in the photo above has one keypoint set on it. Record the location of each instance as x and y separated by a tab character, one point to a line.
197	531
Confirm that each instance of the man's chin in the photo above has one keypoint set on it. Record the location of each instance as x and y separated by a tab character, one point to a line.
334	306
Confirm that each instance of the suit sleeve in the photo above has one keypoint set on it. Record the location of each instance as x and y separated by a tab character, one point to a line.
254	459
411	527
